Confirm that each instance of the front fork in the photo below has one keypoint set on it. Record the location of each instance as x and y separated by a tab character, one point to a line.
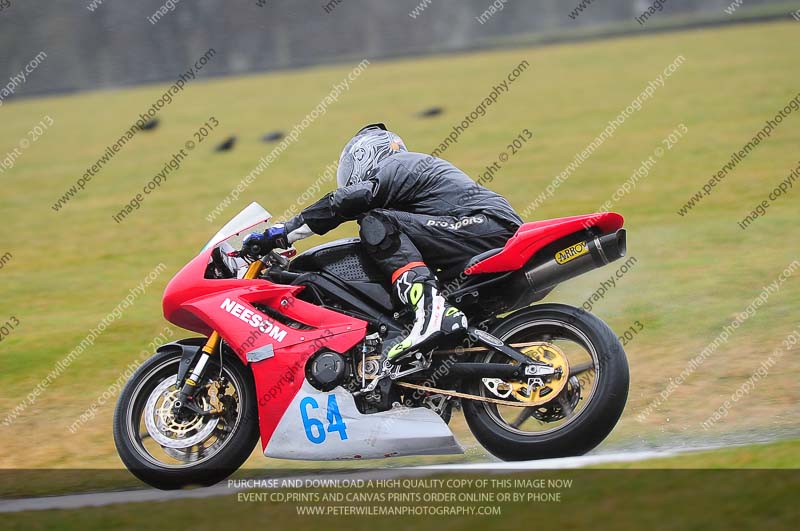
186	396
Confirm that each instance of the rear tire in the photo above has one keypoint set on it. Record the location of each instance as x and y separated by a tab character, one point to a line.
233	451
589	426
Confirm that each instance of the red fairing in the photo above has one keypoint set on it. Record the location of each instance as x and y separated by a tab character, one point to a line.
279	379
189	284
533	236
227	306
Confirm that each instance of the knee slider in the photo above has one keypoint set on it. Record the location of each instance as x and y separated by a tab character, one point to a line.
378	235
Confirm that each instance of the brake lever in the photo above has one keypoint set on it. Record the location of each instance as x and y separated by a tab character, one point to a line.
282	258
291	252
279	258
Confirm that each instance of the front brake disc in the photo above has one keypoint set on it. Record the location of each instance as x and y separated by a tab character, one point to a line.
168	431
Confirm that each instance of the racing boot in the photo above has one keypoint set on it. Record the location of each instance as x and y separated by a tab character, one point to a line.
415	287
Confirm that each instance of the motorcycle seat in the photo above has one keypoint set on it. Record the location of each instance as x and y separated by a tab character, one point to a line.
454	271
531	237
479	257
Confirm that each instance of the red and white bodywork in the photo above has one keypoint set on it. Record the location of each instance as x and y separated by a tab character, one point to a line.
296	420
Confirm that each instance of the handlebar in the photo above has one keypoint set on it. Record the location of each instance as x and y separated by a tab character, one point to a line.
280	259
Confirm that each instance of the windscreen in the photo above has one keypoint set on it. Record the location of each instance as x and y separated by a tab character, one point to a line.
252	215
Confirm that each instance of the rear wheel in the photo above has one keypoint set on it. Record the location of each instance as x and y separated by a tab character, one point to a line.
170	451
568	415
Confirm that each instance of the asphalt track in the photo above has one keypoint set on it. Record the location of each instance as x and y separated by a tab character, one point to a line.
99	499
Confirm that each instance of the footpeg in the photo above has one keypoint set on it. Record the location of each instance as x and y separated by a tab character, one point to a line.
420	363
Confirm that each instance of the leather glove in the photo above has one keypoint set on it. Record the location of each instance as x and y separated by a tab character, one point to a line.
257	244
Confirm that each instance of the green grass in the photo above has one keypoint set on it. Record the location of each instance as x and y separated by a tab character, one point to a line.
782	454
694	274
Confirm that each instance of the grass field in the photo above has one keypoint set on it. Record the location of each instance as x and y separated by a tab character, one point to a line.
694	274
783	454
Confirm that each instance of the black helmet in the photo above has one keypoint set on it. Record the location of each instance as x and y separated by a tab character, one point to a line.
364	151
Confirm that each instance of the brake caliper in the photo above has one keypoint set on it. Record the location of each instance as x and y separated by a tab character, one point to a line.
212	390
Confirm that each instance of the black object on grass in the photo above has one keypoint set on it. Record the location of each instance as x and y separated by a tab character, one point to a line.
430	112
274	136
149	125
227	144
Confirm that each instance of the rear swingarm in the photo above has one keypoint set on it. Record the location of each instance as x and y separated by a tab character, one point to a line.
526	367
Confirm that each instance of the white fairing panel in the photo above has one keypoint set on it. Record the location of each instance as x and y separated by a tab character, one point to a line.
327	426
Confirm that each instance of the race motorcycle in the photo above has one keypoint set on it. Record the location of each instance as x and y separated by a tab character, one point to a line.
291	349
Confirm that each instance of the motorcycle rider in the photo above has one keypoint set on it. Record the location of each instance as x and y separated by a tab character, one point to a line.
417	214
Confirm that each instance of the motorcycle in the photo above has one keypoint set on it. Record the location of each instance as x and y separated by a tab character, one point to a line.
290	349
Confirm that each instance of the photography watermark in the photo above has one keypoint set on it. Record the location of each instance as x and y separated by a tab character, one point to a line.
331	5
655	7
311	192
422	6
494	8
114	388
88	341
94	4
17	80
168	7
633	107
575	13
600	293
34	134
643	171
731	9
11	324
750	384
738	156
113	149
337	496
266	161
170	167
480	110
630	333
5	258
288	377
783	188
489	172
722	338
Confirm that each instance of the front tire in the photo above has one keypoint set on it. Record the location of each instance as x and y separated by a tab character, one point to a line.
168	452
568	430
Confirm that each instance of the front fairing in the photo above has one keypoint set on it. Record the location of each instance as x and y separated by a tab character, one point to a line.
194	298
191	282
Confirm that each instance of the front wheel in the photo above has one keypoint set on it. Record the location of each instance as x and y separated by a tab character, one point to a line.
566	416
170	451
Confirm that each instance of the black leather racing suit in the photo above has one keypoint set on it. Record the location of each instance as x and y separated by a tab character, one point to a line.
415	208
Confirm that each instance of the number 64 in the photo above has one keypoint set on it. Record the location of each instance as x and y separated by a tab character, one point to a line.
315	429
